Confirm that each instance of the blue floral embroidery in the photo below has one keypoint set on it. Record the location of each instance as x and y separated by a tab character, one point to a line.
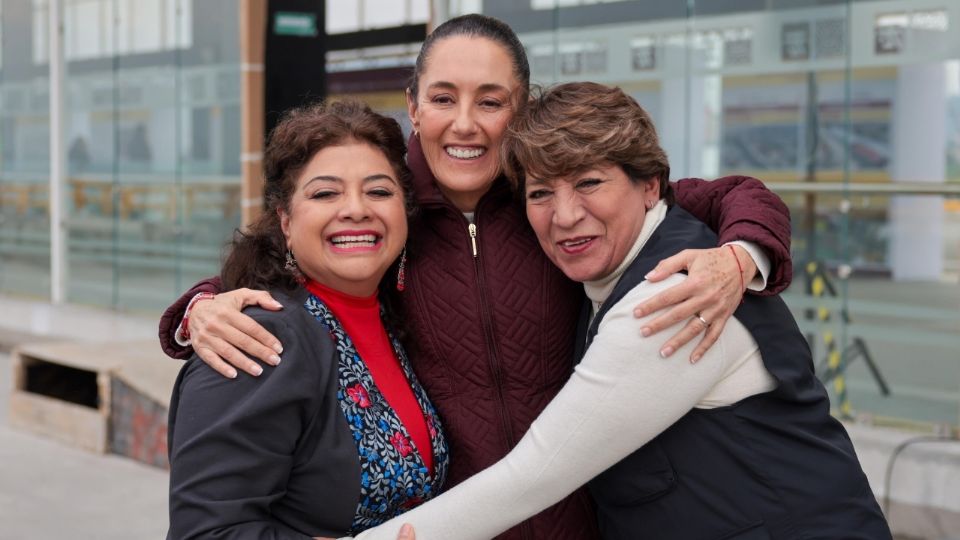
393	476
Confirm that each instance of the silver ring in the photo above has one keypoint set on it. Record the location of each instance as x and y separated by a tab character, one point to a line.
704	321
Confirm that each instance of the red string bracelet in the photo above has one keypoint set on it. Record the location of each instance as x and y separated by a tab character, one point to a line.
743	288
185	322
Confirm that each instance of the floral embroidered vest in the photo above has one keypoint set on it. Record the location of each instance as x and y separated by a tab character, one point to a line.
393	476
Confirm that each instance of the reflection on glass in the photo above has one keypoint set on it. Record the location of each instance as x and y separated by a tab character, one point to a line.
152	150
810	98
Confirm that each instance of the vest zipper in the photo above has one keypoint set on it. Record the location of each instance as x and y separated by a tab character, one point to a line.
472	229
492	356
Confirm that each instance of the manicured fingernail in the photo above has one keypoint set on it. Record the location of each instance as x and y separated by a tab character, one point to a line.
695	358
232	374
277	305
257	370
274	359
645	331
651	274
278	348
666	352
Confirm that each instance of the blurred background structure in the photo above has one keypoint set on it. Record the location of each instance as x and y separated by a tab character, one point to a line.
130	147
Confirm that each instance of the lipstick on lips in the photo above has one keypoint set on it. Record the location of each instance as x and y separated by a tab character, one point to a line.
355	241
576	245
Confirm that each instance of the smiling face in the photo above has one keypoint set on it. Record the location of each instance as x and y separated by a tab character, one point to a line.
346	222
462	108
587	222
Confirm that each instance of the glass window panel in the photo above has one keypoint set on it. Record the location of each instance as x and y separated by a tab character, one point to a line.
108	27
124	27
40	36
383	13
343	16
178	15
82	34
153	157
420	11
461	7
146	30
24	157
812	98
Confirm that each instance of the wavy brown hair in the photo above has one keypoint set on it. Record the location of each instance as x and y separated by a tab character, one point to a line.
577	126
257	256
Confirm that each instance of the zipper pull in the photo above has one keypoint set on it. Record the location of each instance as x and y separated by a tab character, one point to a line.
472	228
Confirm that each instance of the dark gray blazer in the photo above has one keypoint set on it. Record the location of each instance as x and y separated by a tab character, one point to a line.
269	456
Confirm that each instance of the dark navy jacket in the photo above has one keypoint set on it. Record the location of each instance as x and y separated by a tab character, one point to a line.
774	465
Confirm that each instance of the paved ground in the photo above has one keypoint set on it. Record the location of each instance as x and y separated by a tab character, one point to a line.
48	490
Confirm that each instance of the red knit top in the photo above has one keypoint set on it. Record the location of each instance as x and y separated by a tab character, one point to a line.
360	318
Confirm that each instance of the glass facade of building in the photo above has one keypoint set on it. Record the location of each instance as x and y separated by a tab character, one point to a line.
850	110
152	135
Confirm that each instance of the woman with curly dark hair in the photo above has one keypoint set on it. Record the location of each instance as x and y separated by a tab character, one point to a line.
340	436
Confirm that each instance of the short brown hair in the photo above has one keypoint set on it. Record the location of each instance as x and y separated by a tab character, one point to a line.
257	256
577	126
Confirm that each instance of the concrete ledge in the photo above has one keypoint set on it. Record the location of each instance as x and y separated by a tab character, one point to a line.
100	397
911	522
924	483
11	339
72	424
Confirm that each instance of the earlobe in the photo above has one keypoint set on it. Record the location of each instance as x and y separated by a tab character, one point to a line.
653	188
412	110
284	224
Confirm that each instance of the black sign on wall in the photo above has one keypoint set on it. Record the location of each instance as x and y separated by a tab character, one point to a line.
295	56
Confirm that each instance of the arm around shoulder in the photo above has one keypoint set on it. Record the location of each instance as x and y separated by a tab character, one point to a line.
742	208
620	396
172	316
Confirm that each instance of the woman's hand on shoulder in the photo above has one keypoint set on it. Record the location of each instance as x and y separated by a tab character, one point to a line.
220	333
708	297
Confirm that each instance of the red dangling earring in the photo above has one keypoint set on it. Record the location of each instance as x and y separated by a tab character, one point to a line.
401	272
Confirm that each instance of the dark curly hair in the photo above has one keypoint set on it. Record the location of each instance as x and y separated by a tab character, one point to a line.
257	256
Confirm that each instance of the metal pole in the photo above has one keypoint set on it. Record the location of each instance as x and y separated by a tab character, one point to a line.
58	166
812	141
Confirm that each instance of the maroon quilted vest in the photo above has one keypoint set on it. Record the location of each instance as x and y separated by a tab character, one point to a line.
494	334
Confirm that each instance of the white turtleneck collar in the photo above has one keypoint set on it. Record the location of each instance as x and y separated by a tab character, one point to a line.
599	290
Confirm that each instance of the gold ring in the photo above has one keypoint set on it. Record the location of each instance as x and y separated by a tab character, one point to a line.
704	321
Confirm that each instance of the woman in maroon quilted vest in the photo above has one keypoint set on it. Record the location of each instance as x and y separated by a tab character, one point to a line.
489	318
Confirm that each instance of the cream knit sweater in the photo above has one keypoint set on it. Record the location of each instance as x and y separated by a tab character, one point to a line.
620	396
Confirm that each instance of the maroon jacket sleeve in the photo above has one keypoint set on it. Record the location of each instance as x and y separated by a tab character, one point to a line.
171	318
742	208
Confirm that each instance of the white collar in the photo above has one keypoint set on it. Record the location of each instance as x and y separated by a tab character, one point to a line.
599	290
